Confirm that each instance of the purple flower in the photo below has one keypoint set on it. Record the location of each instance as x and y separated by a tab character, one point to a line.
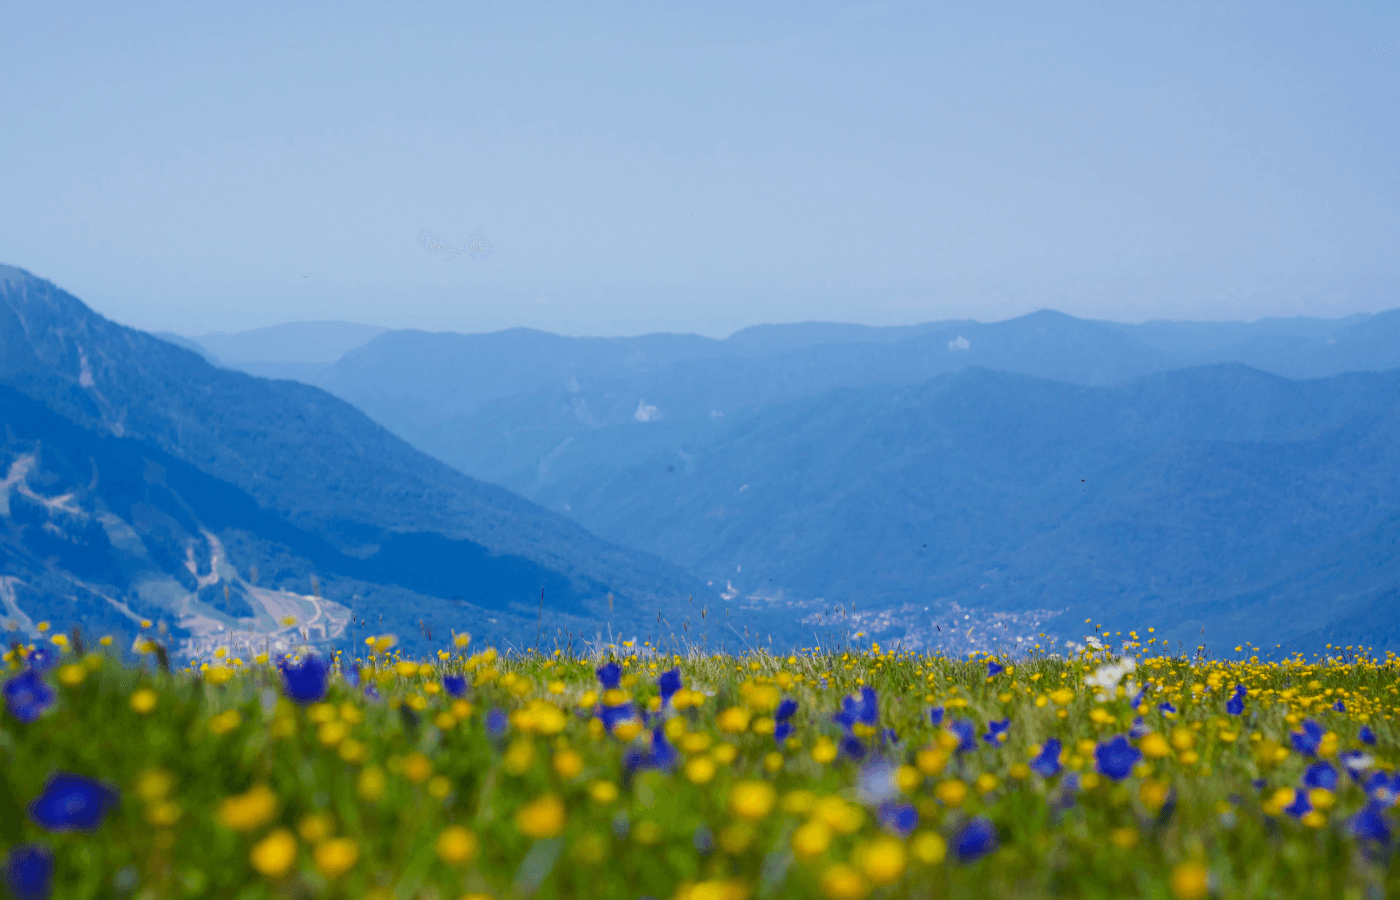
900	818
456	685
304	682
29	872
610	675
996	731
1320	775
668	684
1307	740
976	840
1366	735
73	803
1047	762
27	696
1116	758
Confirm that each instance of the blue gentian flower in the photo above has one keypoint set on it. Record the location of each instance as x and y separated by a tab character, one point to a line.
967	734
1064	797
27	696
996	731
1339	706
1307	740
1370	824
41	659
852	747
372	692
976	840
497	722
786	710
1235	705
899	818
994	669
935	716
73	803
612	716
864	709
29	872
869	706
781	731
456	685
1116	758
610	675
1355	762
1300	806
304	682
1166	709
1366	735
1047	762
668	684
1137	698
1377	786
1321	775
663	753
1139	730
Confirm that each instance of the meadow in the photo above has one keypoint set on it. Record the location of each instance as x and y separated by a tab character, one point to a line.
1113	770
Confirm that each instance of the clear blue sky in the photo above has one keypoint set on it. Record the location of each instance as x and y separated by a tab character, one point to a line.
702	167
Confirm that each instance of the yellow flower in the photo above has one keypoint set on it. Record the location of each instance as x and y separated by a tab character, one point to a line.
568	763
519	756
154	785
824	751
275	854
43	627
1190	881
841	882
1183	738
752	800
249	810
456	845
417	768
59	640
884	861
163	815
1125	838
734	720
952	792
543	818
105	640
811	839
602	791
144	700
439	786
336	856
225	722
72	675
626	731
370	785
931	761
929	848
1153	794
1154	746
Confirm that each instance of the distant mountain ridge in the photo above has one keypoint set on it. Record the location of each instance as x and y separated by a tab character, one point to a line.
319	464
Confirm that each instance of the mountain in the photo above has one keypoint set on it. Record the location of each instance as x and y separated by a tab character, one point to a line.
1253	506
299	351
320	465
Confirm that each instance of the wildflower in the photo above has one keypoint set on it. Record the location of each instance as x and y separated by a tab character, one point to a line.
1366	735
1116	758
1339	706
456	845
610	675
1356	762
29	871
977	838
249	810
455	685
852	747
336	856
935	716
668	684
1190	881
73	803
996	731
899	818
1300	806
1235	705
994	668
811	839
966	733
41	659
1370	824
1139	730
1047	762
841	882
1309	739
541	818
304	682
1166	709
27	696
752	800
497	722
700	770
275	854
884	861
1320	775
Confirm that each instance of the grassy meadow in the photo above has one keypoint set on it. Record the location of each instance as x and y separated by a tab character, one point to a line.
1119	771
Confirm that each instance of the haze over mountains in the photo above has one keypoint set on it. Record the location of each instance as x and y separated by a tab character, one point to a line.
949	484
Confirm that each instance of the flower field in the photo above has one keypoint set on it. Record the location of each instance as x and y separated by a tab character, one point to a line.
1114	773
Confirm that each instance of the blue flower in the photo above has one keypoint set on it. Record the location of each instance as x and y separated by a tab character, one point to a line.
668	684
996	731
1047	762
1259	784
1137	698
27	696
869	706
1064	797
456	685
994	669
1366	735
1307	740
900	818
1116	758
497	722
41	659
852	747
1235	705
967	734
781	731
663	753
73	803
935	715
1300	806
1166	709
1355	762
1339	706
786	710
612	716
371	692
610	675
864	709
29	872
1139	730
976	840
306	681
1370	824
889	736
1320	775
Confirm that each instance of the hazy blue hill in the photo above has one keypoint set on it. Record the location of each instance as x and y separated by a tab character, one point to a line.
311	459
292	342
998	492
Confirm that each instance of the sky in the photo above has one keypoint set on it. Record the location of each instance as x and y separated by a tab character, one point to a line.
702	167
